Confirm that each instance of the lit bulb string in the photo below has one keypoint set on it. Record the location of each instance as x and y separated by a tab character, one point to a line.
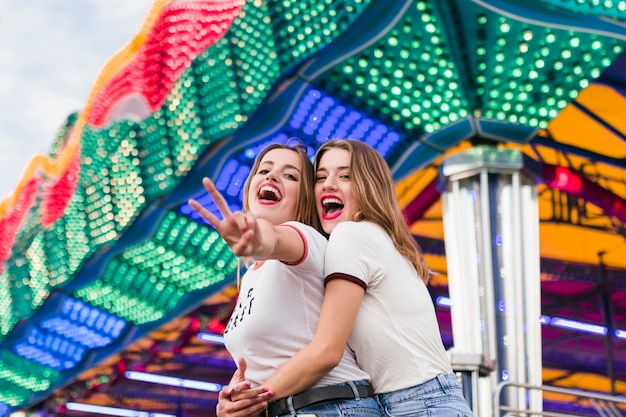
106	82
66	165
54	167
119	77
190	28
547	15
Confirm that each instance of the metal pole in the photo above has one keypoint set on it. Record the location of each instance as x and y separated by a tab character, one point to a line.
491	232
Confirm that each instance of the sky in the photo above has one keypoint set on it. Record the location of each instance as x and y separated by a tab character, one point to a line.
51	52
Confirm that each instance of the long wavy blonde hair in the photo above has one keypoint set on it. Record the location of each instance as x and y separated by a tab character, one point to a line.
373	187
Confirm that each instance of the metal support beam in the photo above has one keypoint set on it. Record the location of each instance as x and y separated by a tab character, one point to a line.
491	227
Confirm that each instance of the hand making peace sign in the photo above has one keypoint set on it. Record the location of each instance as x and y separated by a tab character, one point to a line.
237	229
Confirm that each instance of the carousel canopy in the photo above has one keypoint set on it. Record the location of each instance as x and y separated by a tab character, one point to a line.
106	273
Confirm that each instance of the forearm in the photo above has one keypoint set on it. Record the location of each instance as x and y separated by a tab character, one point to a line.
265	241
276	242
342	300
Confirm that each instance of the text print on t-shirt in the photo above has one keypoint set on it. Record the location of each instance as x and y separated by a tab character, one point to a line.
243	309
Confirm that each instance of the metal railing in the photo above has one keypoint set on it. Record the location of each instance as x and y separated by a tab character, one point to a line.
605	405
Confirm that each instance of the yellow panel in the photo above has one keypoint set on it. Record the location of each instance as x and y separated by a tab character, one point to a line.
556	240
613	177
581	245
607	103
412	185
436	263
574	127
560	241
428	228
568	242
560	211
579	380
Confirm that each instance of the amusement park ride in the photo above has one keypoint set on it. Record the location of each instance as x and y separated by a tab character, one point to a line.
503	122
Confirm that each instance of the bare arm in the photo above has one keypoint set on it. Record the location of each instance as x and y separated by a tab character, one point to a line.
249	236
342	301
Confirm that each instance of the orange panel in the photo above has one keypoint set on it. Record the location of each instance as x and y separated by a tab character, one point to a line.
581	245
607	103
412	185
574	127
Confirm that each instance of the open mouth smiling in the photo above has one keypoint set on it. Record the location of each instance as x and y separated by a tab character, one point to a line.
268	194
332	207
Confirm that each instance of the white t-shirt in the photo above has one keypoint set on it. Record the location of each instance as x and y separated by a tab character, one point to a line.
396	335
277	313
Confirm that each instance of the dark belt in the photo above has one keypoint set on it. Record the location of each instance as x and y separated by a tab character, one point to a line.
316	395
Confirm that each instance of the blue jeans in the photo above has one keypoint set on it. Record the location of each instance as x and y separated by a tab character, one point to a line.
364	407
439	397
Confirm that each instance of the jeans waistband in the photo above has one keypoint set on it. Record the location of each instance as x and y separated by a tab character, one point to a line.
349	390
443	383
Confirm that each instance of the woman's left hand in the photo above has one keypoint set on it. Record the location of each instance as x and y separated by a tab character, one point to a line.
237	228
238	399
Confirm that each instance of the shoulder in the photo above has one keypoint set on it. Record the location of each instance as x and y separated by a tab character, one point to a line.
301	227
357	230
315	244
361	237
308	233
354	250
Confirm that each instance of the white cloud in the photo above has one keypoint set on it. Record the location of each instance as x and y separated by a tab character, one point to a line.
51	52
